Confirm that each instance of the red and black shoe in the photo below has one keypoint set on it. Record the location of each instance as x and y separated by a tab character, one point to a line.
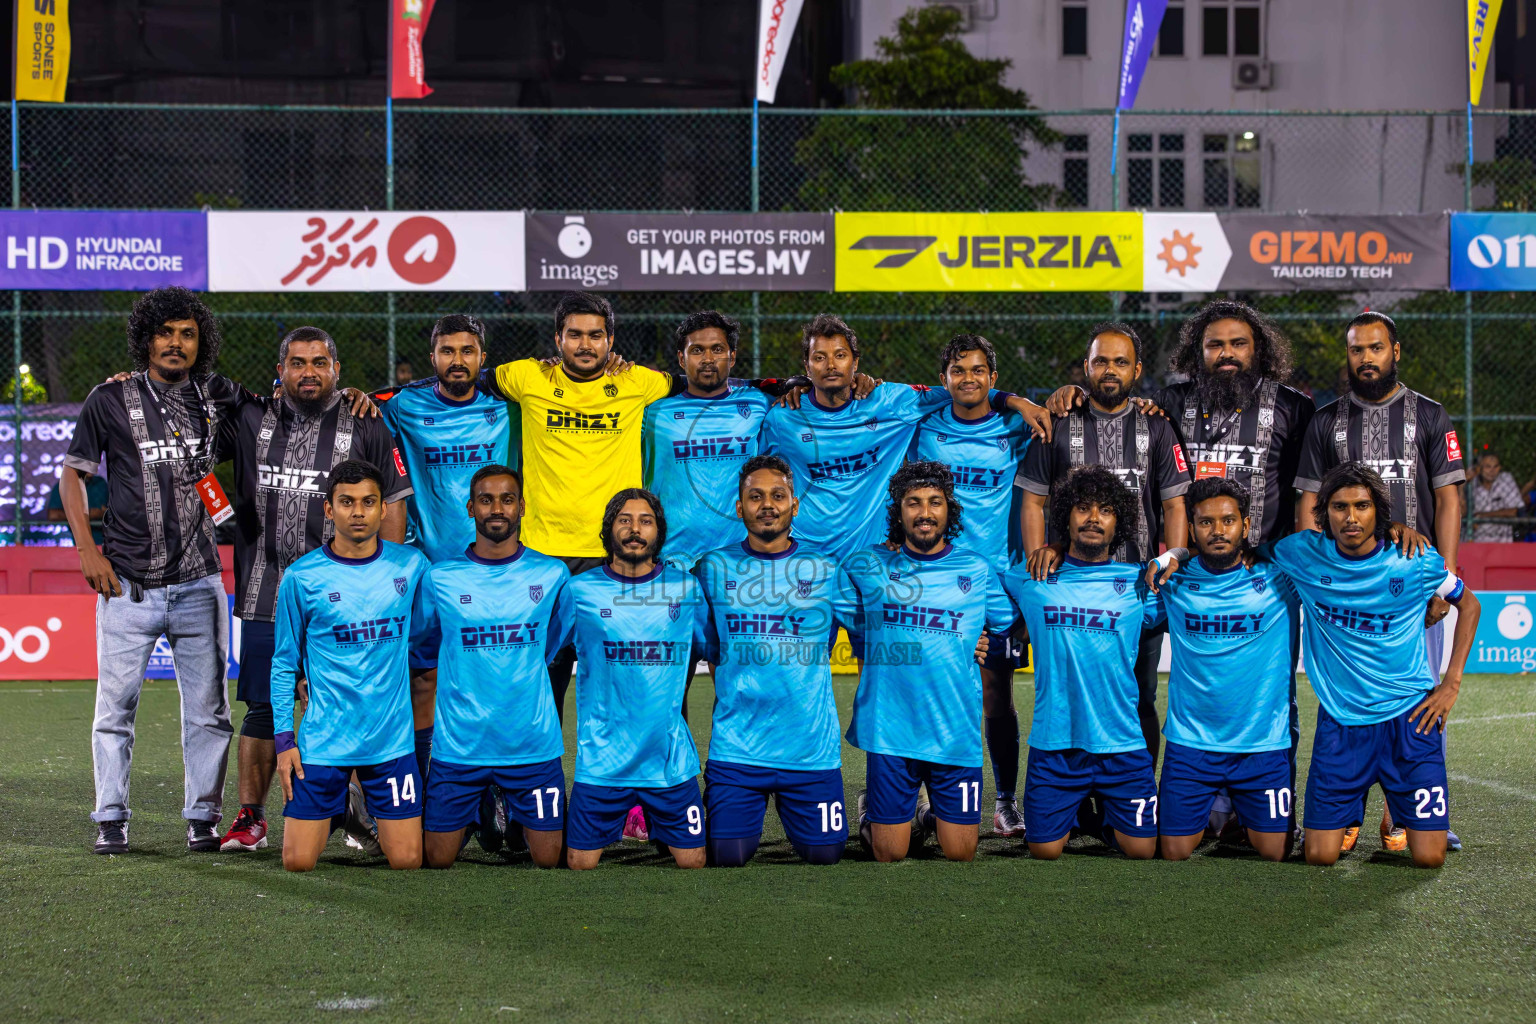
246	832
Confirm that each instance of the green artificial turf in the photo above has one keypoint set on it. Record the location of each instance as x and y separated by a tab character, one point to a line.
160	934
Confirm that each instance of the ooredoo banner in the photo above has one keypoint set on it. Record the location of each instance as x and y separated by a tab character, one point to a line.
1278	252
48	636
981	252
96	250
710	252
365	251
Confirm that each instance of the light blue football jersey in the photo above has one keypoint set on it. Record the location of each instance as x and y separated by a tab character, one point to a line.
1363	626
844	459
691	451
495	625
772	622
443	442
983	456
635	640
919	618
345	625
1085	623
1232	677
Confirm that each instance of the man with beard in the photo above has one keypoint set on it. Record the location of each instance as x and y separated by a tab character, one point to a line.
637	623
284	449
1237	416
923	607
1085	620
694	443
1143	452
492	618
1409	440
774	612
447	427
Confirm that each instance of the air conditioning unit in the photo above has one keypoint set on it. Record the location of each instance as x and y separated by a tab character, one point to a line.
1250	73
965	8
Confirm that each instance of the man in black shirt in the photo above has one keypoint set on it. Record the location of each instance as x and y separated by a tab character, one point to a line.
284	449
1407	438
158	571
1142	451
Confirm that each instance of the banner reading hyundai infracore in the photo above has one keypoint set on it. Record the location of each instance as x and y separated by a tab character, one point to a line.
365	251
985	252
93	250
661	252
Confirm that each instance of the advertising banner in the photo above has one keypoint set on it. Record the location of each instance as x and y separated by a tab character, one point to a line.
163	666
1183	252
362	251
103	250
42	50
407	70
775	28
48	636
661	252
983	252
1142	19
44	442
1493	252
1505	641
1281	252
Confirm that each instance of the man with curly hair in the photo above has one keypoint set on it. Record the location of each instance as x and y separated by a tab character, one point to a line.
1085	621
922	608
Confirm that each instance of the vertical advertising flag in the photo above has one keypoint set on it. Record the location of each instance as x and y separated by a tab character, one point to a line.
1142	19
1482	17
42	50
407	70
775	26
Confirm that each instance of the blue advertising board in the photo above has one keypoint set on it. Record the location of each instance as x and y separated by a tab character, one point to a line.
1505	640
103	250
1493	252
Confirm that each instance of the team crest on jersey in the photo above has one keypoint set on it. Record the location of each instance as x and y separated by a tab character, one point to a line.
872	424
535	591
965	584
803	587
1258	585
611	390
490	416
1119	586
1002	444
1395	585
400	585
743	410
674	610
335	595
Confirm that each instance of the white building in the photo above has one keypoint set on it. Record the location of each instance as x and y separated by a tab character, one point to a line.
1253	58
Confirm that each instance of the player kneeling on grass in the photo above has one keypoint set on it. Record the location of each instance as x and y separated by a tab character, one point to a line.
637	623
1085	621
774	611
1381	711
1231	684
344	616
494	618
923	606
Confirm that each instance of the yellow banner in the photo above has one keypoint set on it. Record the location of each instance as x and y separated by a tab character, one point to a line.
988	252
1482	16
42	50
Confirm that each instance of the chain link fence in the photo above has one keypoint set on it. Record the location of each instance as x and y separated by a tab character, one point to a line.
1466	351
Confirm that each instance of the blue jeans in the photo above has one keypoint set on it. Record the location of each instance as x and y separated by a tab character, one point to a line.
194	617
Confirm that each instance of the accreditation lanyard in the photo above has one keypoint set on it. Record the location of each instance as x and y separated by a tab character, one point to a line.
209	490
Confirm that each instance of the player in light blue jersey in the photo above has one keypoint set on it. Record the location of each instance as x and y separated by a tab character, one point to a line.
922	611
344	624
1085	621
982	450
496	617
1382	712
774	611
843	452
637	624
1233	683
694	443
445	427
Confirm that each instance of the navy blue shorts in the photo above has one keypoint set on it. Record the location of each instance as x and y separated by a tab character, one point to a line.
258	640
955	792
1348	759
1057	781
535	794
391	790
1003	653
1259	783
810	803
673	814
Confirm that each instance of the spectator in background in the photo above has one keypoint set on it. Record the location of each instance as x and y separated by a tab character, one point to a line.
1493	492
404	373
95	500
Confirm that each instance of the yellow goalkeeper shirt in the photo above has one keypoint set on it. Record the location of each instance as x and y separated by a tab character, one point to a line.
581	445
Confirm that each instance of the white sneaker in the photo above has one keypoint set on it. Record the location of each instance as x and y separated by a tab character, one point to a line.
1007	819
